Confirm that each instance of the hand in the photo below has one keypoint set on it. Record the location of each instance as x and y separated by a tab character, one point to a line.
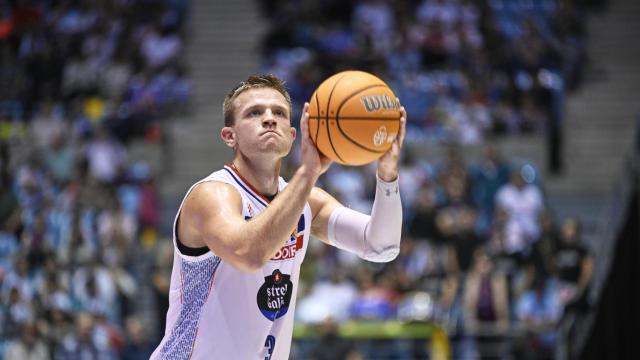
313	162
389	163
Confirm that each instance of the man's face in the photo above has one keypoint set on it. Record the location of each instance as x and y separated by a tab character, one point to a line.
262	123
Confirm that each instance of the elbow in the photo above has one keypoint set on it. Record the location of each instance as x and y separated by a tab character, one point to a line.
237	251
382	249
385	255
390	254
248	261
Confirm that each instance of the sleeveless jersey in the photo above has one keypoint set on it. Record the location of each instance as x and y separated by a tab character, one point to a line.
219	312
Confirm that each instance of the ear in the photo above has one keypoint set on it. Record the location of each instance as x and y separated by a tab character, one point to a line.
293	133
228	136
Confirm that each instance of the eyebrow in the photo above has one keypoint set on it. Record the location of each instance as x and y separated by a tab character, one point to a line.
263	106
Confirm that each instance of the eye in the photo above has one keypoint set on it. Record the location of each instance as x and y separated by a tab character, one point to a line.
279	113
254	112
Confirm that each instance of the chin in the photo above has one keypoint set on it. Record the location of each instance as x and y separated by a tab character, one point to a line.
272	150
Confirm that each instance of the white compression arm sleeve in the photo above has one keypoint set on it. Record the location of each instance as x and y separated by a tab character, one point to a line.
377	237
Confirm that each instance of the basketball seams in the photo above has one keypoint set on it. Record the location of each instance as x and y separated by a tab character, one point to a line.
327	117
359	118
347	136
318	118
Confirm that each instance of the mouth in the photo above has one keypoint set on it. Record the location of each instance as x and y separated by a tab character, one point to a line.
268	132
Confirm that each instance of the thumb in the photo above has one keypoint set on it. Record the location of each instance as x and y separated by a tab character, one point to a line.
304	122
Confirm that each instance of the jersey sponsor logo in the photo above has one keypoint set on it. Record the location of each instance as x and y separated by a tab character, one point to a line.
293	244
274	295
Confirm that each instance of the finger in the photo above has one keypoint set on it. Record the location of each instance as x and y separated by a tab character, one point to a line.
304	121
403	126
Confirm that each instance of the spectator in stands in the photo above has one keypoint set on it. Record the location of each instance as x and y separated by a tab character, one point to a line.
149	210
60	159
486	305
106	157
59	320
377	297
505	260
160	276
28	346
16	310
455	223
374	20
10	212
82	342
329	298
94	289
543	252
428	266
80	75
78	247
48	123
19	278
412	261
539	309
347	184
423	223
415	177
534	118
331	346
488	175
137	344
116	227
573	262
159	46
116	75
523	202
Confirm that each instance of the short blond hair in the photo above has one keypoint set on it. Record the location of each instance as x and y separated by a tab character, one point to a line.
253	82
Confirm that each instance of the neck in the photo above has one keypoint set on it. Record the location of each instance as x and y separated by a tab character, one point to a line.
263	175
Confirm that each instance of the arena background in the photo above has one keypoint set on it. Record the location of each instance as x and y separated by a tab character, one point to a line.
110	110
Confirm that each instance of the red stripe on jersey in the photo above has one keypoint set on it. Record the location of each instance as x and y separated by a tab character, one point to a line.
235	171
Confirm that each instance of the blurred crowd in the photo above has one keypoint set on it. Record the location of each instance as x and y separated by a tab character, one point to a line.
464	69
482	254
78	219
75	65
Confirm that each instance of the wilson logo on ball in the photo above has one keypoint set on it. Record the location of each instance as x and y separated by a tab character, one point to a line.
374	103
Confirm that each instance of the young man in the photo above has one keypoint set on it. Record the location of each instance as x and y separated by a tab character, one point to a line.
241	233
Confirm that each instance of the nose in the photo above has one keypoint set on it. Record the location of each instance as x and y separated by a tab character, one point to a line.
268	120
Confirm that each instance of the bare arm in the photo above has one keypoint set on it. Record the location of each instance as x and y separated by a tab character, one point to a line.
212	213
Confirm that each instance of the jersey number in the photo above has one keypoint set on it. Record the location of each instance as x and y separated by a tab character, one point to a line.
270	344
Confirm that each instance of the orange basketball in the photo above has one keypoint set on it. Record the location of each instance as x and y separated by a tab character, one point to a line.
354	117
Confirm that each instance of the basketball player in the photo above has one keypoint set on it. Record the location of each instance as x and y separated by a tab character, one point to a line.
241	233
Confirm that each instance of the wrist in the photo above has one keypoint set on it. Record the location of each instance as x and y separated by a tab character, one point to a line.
387	175
307	174
387	187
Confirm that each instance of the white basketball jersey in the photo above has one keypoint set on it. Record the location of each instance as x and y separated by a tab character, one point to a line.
219	312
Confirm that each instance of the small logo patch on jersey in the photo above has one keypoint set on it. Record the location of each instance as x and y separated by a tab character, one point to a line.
250	209
293	244
274	295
